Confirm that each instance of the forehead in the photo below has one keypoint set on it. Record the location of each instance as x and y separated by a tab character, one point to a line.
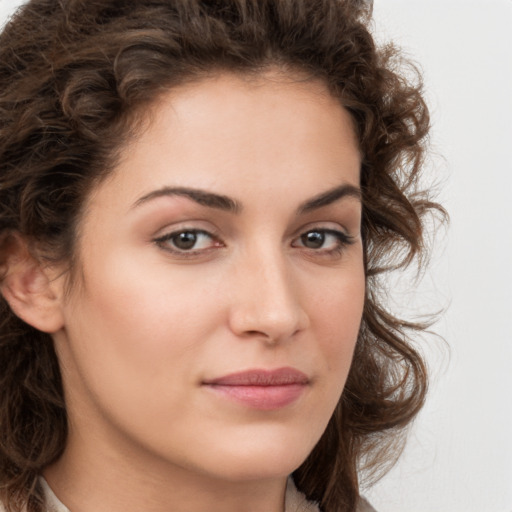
232	133
252	100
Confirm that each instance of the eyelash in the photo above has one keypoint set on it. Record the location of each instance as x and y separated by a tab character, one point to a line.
342	241
165	242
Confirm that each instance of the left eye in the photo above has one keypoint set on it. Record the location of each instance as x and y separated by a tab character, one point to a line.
325	239
187	240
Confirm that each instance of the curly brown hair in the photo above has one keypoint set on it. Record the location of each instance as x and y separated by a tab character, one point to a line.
74	74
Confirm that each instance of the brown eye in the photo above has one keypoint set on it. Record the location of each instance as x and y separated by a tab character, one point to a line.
188	240
313	239
185	240
323	240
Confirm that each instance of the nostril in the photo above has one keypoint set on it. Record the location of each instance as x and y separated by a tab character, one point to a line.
259	334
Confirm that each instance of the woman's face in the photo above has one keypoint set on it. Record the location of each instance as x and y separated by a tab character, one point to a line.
220	286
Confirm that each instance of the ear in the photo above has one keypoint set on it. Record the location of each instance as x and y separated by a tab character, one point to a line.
34	291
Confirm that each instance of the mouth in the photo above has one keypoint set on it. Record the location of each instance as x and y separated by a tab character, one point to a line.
265	390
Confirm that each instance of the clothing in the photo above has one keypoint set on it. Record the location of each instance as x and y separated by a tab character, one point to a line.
295	501
52	502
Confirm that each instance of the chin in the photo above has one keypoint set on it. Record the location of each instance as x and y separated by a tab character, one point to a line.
259	457
247	469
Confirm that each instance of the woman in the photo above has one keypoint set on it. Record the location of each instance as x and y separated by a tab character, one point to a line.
198	201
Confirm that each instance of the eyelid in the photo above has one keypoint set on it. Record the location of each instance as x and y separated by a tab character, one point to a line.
199	225
170	234
324	226
347	238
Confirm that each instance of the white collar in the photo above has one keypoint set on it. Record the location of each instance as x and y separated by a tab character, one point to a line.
295	501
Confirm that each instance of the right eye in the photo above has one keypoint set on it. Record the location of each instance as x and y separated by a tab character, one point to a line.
188	241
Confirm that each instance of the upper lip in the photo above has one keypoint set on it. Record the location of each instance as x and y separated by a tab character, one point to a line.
260	377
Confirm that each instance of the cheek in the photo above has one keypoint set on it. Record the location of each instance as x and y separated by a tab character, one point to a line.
337	318
145	303
134	332
133	357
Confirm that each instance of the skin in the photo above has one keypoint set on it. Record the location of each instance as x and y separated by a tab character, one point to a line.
147	323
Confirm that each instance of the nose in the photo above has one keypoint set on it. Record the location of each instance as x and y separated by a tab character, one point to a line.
267	303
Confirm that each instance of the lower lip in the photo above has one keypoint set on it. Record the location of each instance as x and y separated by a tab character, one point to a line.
265	398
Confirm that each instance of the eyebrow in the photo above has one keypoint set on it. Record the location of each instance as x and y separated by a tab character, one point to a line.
329	197
225	203
202	197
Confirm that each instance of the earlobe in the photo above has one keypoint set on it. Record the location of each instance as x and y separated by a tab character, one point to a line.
31	290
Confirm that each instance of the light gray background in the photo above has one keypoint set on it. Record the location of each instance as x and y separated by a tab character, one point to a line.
459	458
459	455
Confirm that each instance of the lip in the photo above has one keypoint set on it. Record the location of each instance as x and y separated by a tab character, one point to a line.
266	390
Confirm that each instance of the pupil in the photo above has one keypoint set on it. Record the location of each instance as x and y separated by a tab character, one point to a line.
313	239
185	240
